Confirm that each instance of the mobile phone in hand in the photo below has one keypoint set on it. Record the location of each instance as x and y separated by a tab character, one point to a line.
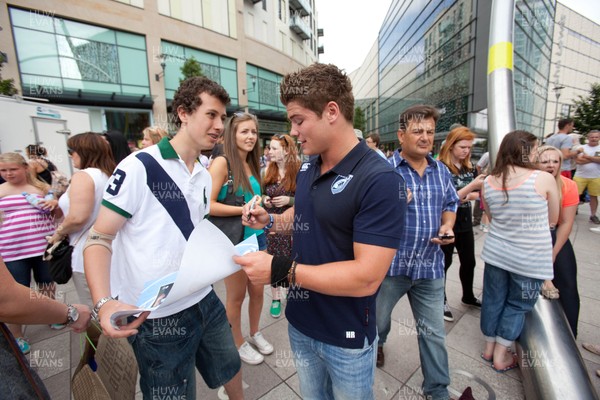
445	237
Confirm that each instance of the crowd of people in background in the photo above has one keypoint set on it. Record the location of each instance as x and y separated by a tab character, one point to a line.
383	224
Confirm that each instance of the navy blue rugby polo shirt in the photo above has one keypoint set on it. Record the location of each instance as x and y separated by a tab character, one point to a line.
362	199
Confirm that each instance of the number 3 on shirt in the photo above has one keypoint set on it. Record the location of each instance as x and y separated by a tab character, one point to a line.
114	187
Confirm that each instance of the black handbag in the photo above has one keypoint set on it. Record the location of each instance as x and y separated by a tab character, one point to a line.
231	226
59	258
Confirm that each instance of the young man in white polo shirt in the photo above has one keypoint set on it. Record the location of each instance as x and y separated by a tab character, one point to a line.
154	199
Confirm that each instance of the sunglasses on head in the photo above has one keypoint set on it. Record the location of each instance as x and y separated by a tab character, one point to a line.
239	114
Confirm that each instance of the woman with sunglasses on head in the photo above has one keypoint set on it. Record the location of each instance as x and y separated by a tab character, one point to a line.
456	155
279	187
564	284
92	156
241	157
26	221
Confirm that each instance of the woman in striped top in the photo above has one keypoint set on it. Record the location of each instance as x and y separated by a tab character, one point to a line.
523	205
24	228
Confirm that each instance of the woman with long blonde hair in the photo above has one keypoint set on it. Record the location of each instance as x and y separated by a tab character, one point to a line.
26	221
564	284
152	135
241	158
456	155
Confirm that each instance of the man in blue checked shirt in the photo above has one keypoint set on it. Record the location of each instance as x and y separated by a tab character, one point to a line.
418	267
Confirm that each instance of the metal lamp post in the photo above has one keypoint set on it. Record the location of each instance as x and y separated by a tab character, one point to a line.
557	90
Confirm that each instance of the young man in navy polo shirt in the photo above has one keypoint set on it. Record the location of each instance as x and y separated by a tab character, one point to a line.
154	199
347	221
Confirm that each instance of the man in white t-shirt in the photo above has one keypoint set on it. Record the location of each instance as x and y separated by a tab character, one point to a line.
588	172
153	200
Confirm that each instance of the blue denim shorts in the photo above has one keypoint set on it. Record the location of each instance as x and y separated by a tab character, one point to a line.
167	350
21	270
262	241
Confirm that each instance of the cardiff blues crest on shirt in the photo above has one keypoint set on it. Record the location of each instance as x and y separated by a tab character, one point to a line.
340	183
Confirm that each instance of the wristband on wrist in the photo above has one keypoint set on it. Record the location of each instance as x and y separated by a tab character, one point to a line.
271	222
291	202
280	268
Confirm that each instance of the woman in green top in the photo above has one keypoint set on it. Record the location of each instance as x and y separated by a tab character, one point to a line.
242	151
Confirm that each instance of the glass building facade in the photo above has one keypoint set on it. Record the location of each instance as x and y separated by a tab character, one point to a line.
435	52
59	56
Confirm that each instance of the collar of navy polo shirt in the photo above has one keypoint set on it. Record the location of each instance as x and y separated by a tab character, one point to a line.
347	164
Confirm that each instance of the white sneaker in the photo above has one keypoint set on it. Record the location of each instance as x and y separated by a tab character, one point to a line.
249	355
595	230
261	343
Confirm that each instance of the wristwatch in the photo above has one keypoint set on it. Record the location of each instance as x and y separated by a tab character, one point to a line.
99	305
72	314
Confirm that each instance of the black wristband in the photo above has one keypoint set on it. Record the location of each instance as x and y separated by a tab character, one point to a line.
280	267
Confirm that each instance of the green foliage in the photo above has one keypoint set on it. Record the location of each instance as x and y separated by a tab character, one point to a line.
587	110
7	86
191	67
359	120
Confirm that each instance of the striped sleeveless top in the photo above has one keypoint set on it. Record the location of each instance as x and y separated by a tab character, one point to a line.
519	240
24	229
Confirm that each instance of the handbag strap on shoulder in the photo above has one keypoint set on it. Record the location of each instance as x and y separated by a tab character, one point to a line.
229	182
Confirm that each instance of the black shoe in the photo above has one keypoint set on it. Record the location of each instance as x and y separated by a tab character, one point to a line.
380	357
447	313
472	302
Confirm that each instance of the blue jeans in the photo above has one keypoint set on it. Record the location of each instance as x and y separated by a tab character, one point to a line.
331	372
167	349
507	297
426	297
21	270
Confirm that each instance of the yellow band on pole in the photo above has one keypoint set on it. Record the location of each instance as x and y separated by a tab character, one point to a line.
500	56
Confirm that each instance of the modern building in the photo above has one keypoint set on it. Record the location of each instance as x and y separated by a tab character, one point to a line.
121	60
575	60
436	53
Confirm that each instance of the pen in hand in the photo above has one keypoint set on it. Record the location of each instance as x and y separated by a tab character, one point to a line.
255	200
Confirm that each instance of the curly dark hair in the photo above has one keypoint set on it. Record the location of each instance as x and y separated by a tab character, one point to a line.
188	95
315	86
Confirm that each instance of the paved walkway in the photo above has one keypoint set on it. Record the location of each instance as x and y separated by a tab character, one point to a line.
401	377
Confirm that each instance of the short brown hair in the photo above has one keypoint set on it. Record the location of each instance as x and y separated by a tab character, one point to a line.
188	95
315	86
417	112
375	138
93	151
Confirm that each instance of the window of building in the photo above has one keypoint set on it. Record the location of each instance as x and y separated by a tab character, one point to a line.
59	55
209	14
220	69
265	93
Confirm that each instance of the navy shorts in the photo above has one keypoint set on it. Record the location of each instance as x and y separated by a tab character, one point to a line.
167	350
